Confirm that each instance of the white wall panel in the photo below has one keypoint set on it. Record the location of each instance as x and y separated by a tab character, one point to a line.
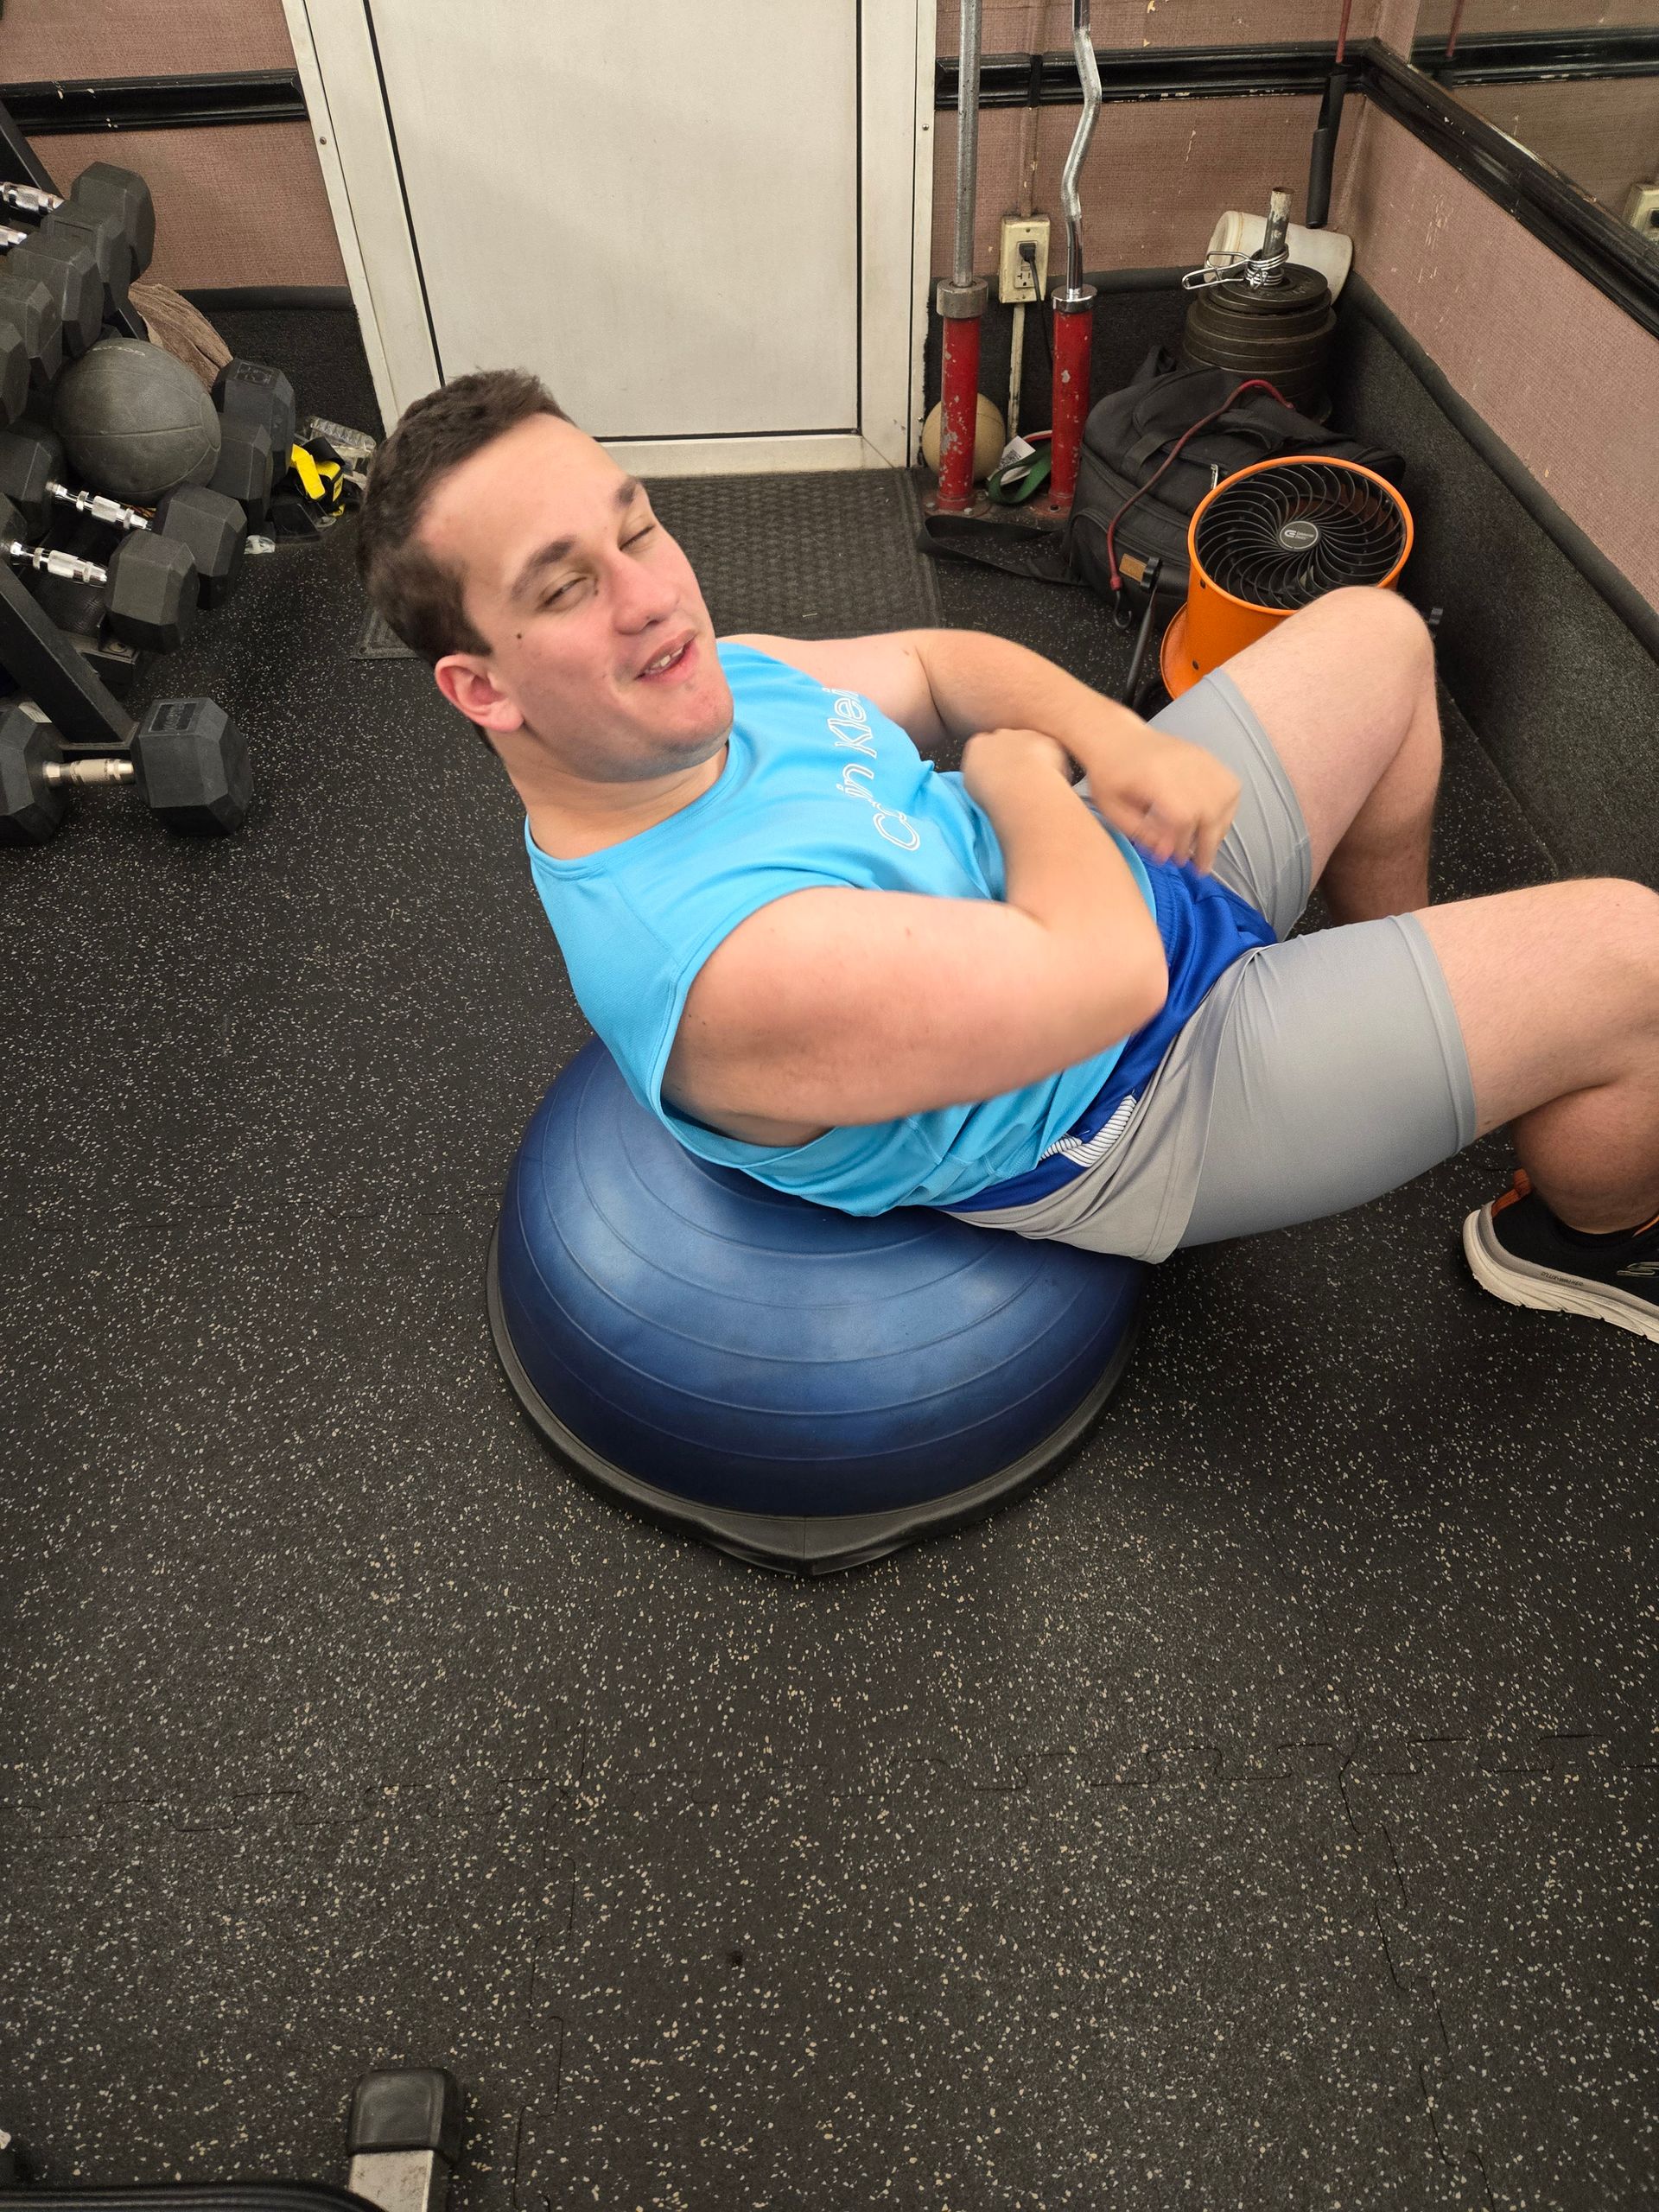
654	205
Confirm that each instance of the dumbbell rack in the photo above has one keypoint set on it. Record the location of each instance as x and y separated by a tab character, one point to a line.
37	656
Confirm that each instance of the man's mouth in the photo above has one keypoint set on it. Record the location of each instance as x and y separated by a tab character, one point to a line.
672	662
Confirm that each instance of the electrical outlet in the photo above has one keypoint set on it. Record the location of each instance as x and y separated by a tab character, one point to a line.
1642	210
1013	284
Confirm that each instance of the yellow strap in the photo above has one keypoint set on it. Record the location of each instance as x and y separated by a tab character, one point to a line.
309	474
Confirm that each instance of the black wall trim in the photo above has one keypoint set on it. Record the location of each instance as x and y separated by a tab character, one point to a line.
53	110
1137	73
1538	57
1226	72
1614	586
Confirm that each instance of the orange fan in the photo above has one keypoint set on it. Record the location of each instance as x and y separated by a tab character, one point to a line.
1275	537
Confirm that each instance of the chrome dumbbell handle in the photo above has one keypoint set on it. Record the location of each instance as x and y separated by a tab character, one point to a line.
30	198
84	772
56	563
100	504
9	237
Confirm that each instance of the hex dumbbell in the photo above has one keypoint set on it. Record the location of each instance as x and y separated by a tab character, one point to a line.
29	306
212	529
187	757
66	266
104	188
108	210
103	232
256	422
150	592
14	372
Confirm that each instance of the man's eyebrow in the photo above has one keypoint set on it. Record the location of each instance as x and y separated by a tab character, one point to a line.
560	548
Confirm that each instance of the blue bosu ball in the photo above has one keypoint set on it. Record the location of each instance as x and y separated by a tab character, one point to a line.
806	1388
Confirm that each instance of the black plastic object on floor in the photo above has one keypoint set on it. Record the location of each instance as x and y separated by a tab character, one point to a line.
807	1390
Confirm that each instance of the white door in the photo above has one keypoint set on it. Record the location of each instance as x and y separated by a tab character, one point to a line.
697	219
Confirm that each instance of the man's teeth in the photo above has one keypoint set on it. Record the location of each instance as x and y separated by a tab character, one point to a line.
652	667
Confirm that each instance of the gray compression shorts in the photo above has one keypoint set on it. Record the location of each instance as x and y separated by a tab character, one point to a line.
1314	1075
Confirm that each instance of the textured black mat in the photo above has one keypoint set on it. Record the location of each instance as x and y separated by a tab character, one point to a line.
828	556
1262	1815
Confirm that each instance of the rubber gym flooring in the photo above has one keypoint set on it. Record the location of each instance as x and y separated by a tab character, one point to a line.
1261	1813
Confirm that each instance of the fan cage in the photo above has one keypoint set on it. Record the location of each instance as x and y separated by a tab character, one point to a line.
1360	524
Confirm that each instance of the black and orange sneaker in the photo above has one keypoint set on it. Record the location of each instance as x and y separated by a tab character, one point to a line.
1519	1251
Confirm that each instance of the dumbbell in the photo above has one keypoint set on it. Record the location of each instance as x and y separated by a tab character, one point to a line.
14	372
187	757
212	529
110	210
102	231
28	304
124	193
109	215
256	422
67	267
149	589
102	185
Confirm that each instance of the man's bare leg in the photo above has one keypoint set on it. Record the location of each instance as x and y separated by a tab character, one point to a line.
1345	690
1557	995
1381	866
1556	989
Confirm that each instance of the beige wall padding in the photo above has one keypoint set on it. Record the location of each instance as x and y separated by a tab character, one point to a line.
43	39
1158	174
244	205
1601	132
1487	18
1559	371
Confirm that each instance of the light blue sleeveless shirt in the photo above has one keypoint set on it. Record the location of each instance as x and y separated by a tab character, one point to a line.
817	788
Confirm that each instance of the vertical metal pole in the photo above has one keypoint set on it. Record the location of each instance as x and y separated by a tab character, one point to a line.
962	301
1074	304
967	139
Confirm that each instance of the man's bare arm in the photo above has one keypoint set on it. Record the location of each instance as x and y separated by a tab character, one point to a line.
888	670
835	1007
1176	800
941	685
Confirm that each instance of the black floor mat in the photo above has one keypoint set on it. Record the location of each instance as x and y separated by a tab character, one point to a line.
831	555
1262	1814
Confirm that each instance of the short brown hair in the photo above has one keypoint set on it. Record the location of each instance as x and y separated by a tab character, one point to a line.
419	598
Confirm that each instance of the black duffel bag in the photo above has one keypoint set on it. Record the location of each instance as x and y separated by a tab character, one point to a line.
1128	438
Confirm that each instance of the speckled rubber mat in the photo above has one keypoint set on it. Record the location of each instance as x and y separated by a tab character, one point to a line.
1263	1814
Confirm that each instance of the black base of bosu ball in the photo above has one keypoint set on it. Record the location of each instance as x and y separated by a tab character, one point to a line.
806	1390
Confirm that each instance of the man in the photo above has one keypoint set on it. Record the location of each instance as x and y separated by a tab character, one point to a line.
817	958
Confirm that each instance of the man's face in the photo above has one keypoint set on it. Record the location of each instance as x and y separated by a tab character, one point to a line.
600	646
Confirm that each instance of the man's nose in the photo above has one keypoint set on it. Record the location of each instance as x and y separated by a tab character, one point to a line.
642	594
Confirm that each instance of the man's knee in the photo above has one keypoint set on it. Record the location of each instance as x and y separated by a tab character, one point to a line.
1624	915
1384	613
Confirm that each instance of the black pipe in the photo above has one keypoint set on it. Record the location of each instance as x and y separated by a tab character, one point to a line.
1325	151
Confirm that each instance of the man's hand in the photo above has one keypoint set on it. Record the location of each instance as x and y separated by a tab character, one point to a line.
1173	799
989	752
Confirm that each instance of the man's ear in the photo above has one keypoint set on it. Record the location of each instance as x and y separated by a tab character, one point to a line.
466	682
